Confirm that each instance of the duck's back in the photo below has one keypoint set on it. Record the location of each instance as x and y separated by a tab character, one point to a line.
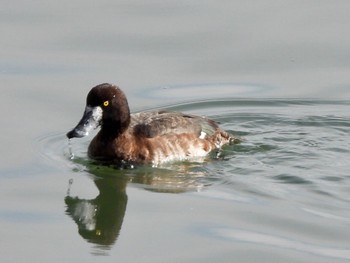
152	124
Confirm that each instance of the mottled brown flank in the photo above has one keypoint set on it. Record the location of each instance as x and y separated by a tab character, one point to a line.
149	137
129	148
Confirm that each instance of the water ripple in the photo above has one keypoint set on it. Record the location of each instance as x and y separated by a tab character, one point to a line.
265	239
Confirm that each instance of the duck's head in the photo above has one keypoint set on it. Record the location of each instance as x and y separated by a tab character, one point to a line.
106	105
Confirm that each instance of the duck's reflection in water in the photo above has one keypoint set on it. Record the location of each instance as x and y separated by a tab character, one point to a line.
184	179
100	219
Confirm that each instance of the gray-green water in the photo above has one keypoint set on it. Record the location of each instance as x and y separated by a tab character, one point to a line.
276	74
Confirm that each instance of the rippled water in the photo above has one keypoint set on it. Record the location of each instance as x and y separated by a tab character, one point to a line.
275	73
285	187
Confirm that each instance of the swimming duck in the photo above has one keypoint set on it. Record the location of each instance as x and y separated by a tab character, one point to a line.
145	137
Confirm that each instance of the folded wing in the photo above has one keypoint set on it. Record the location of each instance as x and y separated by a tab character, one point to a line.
152	124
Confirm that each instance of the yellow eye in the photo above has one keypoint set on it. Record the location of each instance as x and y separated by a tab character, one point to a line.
106	103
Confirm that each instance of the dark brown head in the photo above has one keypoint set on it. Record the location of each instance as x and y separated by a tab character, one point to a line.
106	105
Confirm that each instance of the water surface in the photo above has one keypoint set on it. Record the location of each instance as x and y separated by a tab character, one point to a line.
274	73
281	188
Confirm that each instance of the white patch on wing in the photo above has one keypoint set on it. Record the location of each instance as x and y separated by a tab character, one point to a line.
202	135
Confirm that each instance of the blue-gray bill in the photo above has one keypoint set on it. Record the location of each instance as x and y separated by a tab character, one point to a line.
91	120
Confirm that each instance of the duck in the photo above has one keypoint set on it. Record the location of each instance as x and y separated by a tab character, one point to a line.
152	137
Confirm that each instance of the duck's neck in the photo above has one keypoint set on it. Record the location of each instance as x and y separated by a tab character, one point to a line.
115	123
